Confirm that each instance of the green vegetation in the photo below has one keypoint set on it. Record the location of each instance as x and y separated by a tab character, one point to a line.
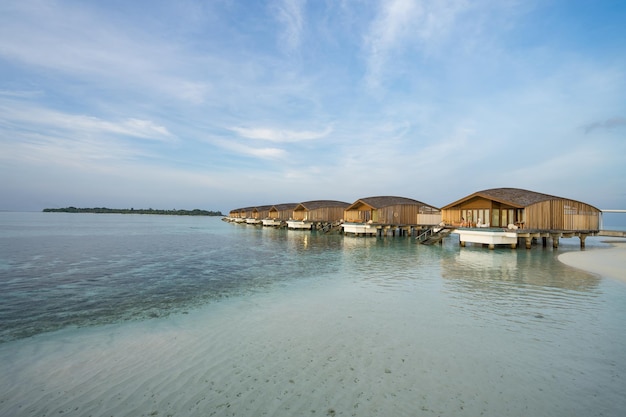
195	212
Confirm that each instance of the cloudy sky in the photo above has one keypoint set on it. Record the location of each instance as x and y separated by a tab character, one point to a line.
221	104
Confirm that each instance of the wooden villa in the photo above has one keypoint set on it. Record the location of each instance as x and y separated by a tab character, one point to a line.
499	207
247	213
262	212
392	210
318	211
279	213
282	211
521	213
237	215
370	214
234	214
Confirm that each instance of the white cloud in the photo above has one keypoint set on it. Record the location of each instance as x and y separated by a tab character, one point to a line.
389	28
49	150
290	14
78	42
263	153
25	94
402	25
18	114
280	135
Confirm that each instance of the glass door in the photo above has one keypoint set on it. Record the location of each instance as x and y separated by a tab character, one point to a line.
495	218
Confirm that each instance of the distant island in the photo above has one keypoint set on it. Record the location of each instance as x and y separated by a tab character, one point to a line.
195	212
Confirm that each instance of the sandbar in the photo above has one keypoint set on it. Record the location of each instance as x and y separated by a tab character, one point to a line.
606	262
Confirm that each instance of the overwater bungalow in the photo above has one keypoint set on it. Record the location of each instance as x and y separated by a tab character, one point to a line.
367	215
257	214
237	215
247	213
520	213
282	211
499	207
317	211
392	210
233	214
279	213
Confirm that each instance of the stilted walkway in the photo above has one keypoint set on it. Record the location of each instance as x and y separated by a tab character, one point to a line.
434	235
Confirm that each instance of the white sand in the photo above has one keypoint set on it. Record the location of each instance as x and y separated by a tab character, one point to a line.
606	262
344	351
277	358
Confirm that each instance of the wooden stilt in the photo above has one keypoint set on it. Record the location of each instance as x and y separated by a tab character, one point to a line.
555	240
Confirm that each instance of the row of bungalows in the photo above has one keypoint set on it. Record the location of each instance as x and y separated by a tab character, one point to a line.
518	212
370	215
260	214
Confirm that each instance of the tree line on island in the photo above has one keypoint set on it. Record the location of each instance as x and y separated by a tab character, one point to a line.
174	212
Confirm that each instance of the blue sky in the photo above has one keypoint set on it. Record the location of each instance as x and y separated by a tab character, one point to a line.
223	104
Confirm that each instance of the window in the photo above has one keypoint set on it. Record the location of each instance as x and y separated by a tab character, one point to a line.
495	219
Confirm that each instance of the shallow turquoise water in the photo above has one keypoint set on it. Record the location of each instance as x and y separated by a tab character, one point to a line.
543	338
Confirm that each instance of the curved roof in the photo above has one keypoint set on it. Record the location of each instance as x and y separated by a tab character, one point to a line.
312	205
386	201
284	206
515	197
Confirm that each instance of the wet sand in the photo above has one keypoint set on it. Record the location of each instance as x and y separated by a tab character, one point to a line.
343	352
606	262
323	353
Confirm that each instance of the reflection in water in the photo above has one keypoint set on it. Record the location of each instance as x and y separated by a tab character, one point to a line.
398	264
523	286
533	267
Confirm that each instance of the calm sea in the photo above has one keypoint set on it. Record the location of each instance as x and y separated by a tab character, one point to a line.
59	270
80	270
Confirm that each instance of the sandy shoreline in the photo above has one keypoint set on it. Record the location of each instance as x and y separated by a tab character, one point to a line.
609	263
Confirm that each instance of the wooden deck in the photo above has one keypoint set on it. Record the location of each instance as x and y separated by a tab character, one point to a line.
382	229
512	237
298	225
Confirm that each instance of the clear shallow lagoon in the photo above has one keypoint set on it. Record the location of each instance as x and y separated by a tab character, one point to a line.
159	315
